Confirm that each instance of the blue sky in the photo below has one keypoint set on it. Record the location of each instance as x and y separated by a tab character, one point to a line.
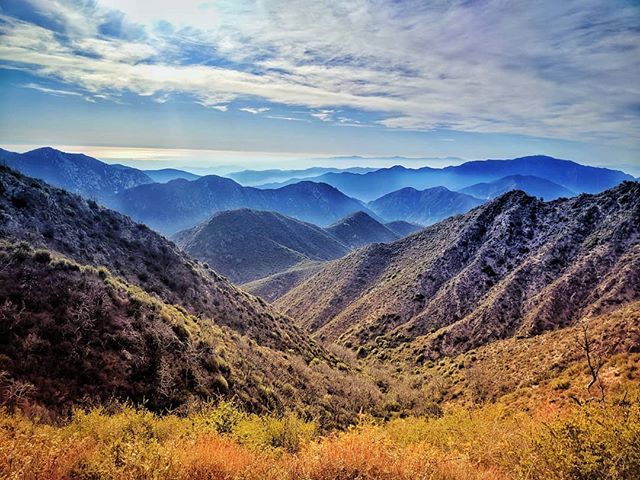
282	83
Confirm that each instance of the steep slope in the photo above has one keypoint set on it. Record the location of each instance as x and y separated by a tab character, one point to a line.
423	207
275	286
402	228
74	335
89	234
182	204
75	172
246	245
359	229
165	175
535	186
107	309
573	176
513	267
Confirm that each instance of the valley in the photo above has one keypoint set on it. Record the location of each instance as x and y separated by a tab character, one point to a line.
408	310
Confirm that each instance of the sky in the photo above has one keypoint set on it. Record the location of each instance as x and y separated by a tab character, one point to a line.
270	83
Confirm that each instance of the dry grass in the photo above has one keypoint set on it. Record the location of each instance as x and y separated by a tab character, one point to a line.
592	442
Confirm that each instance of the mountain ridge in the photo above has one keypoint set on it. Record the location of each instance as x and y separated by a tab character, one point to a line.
503	269
532	185
181	204
75	172
571	175
423	207
247	245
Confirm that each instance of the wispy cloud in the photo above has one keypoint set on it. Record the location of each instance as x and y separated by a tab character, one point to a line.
51	91
254	110
553	69
289	119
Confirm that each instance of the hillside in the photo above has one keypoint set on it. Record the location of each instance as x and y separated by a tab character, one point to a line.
422	207
571	175
182	204
75	172
535	186
515	267
246	245
402	228
359	229
275	286
89	234
136	316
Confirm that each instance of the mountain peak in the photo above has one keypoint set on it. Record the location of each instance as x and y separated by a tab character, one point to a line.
359	229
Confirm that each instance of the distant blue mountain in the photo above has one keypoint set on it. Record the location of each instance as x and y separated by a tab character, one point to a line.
262	177
165	175
536	186
181	204
75	172
573	176
423	207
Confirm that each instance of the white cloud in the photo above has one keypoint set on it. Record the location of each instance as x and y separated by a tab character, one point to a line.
555	69
52	91
254	110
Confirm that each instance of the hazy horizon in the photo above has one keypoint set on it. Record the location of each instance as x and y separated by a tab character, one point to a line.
201	161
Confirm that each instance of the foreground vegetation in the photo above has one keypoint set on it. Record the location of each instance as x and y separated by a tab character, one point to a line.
592	441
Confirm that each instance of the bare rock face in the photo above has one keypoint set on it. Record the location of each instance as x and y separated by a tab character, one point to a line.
516	266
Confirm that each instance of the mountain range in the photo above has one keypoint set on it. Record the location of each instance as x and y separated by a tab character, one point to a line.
171	200
512	268
252	178
98	307
570	175
181	204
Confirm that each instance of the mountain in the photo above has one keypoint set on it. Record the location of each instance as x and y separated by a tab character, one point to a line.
246	245
97	307
359	229
422	207
260	177
536	186
573	176
165	175
402	228
181	204
75	172
274	286
512	268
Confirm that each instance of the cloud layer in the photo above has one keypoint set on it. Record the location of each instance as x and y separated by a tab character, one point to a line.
553	69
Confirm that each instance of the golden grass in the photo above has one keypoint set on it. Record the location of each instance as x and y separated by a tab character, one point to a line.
598	441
